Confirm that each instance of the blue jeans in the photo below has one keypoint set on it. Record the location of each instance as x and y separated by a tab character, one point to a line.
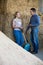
19	39
34	39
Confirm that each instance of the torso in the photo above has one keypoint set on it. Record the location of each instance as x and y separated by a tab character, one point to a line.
18	23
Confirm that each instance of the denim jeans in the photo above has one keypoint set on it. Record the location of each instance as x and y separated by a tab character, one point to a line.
19	39
34	39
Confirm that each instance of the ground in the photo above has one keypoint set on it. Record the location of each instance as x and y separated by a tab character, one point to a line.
40	54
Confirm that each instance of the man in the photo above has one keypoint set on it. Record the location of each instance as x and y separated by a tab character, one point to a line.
34	24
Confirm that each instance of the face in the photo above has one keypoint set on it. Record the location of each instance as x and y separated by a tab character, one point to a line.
31	12
18	15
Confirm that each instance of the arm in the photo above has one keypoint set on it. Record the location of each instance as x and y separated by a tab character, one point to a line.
28	27
14	24
21	27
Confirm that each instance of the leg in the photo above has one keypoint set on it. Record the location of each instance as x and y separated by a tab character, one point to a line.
17	36
31	38
34	40
21	38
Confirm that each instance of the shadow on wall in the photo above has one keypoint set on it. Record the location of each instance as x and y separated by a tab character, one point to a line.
2	12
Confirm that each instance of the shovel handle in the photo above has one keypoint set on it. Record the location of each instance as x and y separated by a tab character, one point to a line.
24	38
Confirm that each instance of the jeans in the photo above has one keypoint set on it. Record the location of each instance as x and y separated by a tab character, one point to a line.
34	39
19	39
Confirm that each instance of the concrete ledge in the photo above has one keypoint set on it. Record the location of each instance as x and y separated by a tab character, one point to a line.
12	54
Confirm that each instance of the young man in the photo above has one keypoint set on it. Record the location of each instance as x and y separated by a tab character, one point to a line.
34	24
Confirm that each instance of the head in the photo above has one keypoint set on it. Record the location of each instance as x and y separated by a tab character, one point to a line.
17	14
32	11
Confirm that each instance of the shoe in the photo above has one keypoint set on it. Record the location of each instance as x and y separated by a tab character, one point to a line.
33	52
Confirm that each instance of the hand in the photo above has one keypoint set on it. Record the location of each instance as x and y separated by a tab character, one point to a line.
21	28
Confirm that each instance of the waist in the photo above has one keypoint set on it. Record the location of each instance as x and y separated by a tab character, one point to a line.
34	28
17	29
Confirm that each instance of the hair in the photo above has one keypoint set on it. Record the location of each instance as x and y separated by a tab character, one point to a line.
33	9
15	14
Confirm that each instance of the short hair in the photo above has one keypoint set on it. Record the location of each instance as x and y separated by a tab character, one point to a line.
33	9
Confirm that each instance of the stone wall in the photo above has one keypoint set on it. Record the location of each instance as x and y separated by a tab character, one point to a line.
7	10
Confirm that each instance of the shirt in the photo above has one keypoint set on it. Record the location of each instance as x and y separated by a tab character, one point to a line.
18	23
34	21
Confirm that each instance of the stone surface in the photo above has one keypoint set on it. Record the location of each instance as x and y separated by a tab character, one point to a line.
12	54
